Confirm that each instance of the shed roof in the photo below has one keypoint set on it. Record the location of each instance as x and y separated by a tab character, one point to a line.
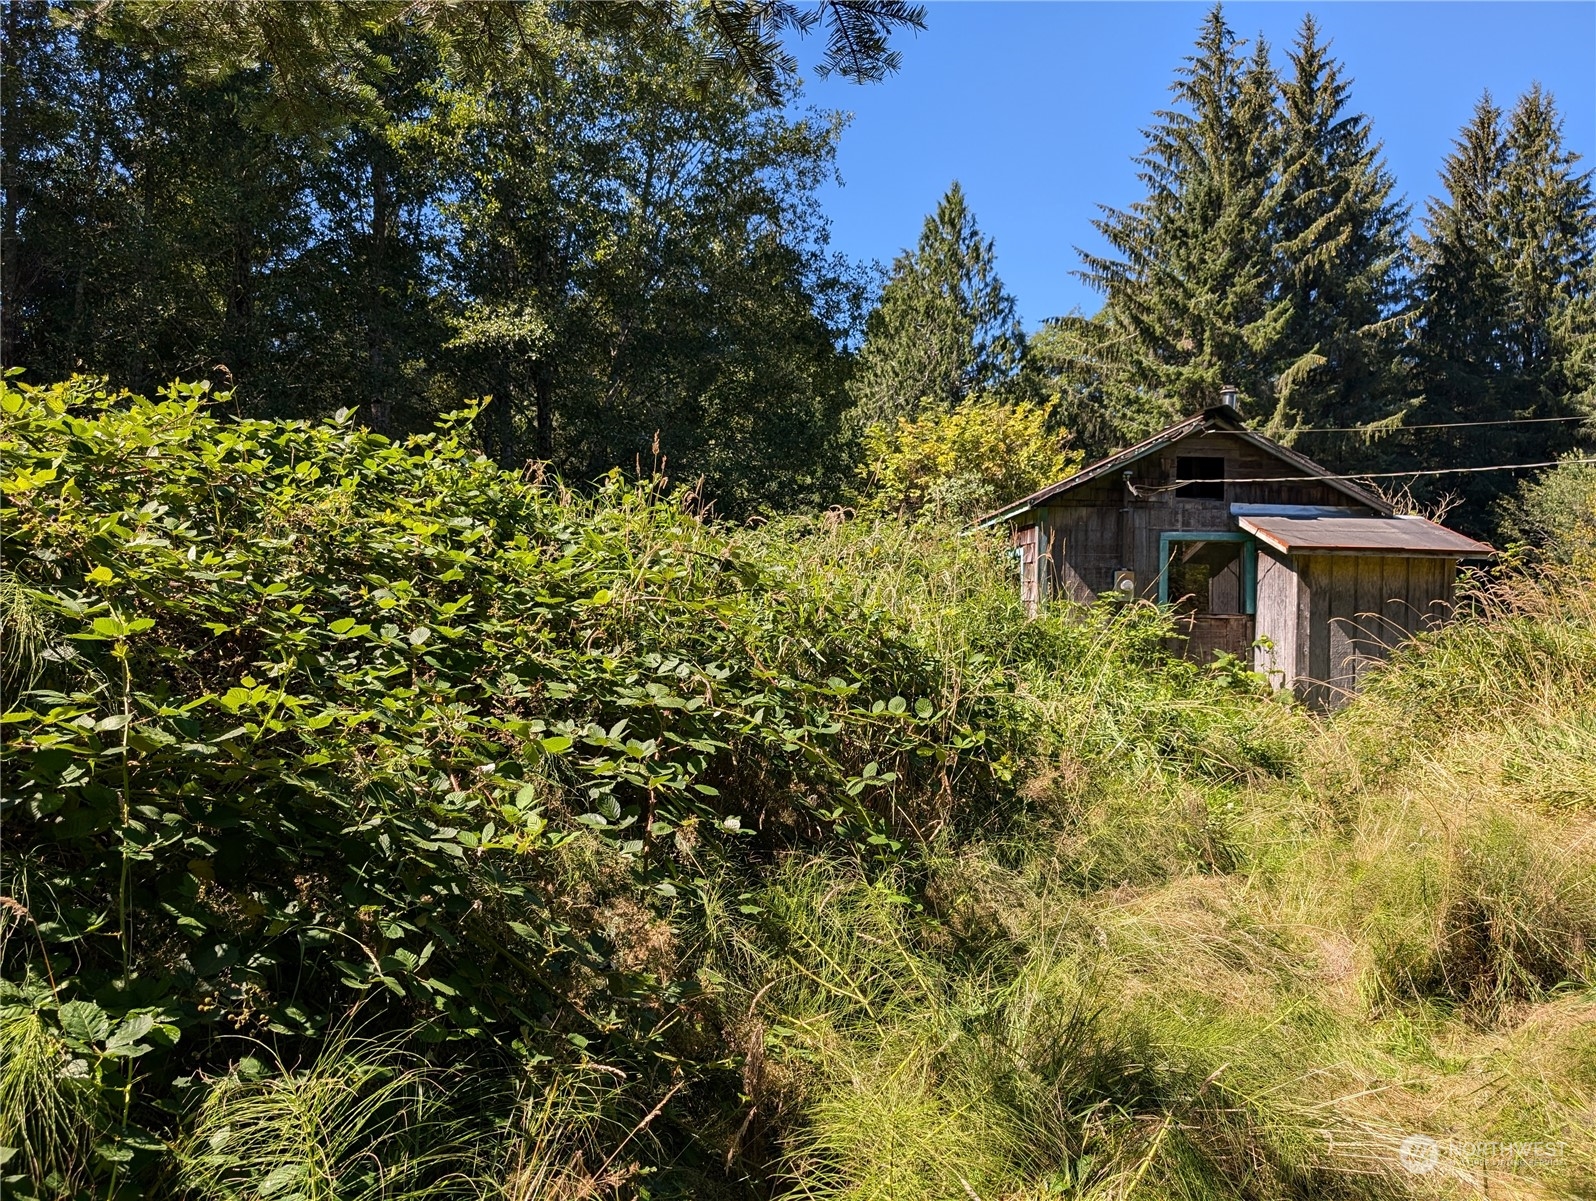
1329	535
1218	417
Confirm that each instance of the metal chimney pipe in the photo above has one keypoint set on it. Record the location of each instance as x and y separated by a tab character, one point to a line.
1227	396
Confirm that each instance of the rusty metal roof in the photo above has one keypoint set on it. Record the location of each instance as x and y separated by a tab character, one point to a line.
1218	417
1361	536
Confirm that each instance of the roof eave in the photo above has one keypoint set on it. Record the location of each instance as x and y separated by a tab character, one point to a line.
1473	550
1209	418
1101	468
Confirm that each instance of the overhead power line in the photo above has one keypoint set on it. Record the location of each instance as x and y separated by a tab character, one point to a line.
1433	425
1384	475
1144	490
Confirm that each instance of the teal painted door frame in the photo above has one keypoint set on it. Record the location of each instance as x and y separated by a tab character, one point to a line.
1249	561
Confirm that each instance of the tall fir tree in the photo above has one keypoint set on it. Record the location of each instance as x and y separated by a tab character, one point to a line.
1506	289
1338	234
1549	235
1462	289
945	327
1188	296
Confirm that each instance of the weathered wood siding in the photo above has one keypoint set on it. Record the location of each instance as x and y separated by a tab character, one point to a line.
1277	621
1330	618
1201	635
1325	619
1099	528
1027	541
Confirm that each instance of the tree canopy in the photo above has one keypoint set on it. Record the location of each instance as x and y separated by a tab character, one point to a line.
618	247
944	328
1271	252
327	59
1506	287
1188	297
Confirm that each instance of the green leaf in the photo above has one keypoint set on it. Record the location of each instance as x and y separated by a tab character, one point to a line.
84	1022
130	1031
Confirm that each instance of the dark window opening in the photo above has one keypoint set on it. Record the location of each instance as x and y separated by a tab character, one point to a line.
1201	477
1206	577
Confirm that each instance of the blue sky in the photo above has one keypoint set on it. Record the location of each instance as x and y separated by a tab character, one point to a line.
1036	107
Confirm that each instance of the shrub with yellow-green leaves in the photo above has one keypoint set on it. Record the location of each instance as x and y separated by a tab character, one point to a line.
963	461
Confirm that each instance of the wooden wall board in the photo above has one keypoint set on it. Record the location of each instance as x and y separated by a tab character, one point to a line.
1027	541
1353	611
1205	634
1277	618
1397	617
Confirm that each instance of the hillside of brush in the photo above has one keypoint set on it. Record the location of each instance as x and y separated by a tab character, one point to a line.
379	823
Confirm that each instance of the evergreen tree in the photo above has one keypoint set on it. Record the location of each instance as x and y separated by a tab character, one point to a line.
1338	251
1549	238
1506	290
945	327
1189	302
1462	289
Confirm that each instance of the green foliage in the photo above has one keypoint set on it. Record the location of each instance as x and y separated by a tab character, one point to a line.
1507	275
1084	1010
507	233
1338	231
381	822
616	311
1556	511
323	716
69	1070
944	330
364	1121
963	462
323	56
1266	254
1189	297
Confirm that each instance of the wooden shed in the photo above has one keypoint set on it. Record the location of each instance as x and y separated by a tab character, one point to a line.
1261	552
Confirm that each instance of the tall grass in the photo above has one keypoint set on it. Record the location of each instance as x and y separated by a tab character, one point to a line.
365	1120
1228	950
50	1110
1199	944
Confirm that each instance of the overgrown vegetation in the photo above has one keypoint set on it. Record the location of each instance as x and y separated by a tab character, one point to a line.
963	462
611	219
381	823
